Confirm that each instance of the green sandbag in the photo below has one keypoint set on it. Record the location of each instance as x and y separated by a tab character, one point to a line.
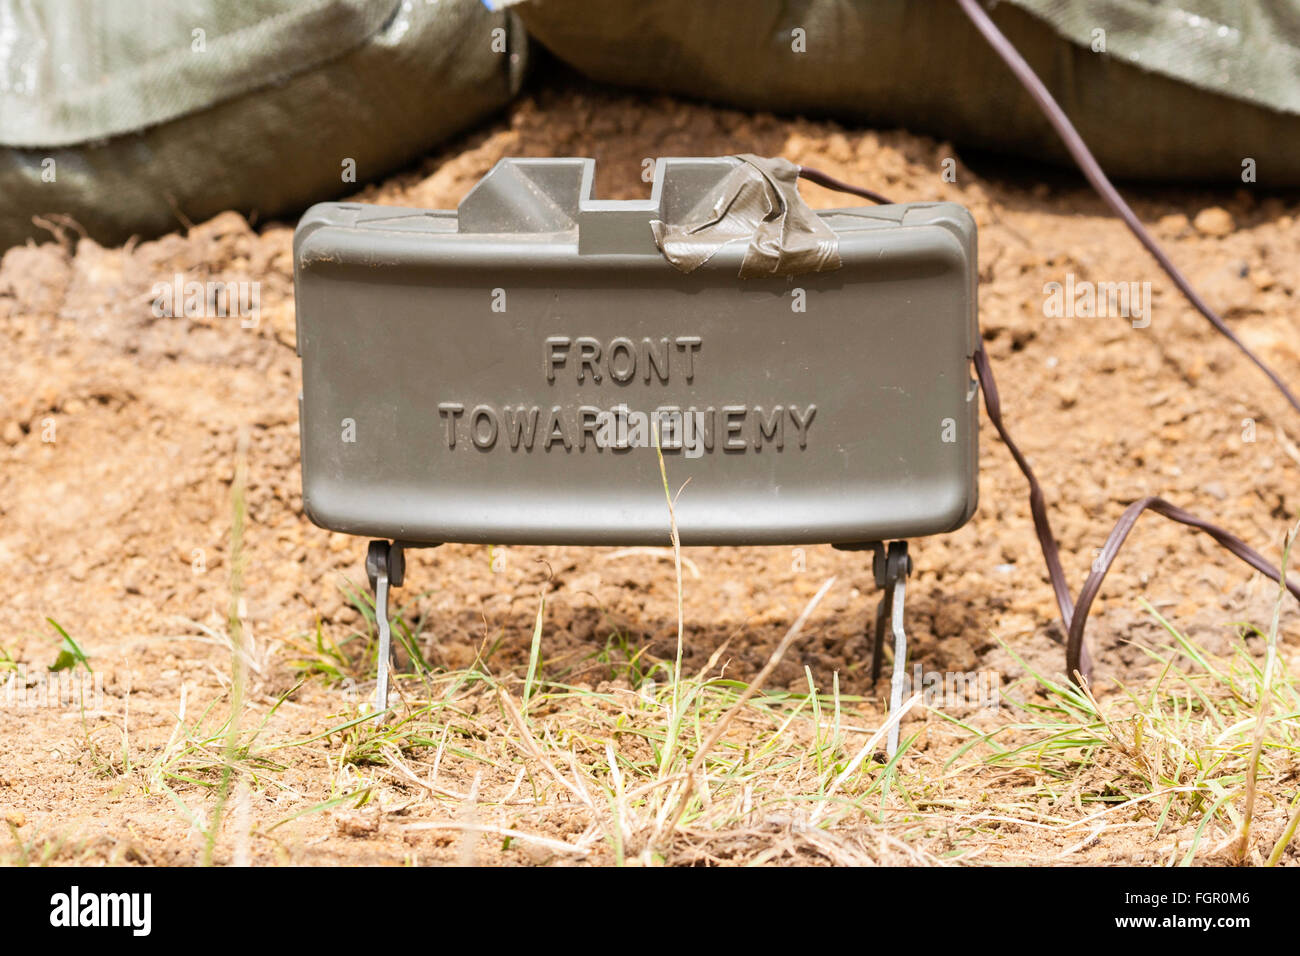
1185	90
128	121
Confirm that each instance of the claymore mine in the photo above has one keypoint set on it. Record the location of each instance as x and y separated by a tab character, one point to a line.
507	372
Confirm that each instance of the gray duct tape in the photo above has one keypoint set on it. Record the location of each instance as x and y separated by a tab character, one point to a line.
758	201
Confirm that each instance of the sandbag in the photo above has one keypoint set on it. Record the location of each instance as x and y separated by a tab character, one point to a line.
1184	90
132	119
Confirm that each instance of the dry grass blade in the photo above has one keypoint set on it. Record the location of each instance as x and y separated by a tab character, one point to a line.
393	759
558	846
753	688
465	852
1265	704
535	649
1288	833
535	751
677	564
658	553
868	748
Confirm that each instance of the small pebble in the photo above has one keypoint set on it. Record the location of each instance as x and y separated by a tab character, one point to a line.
1215	221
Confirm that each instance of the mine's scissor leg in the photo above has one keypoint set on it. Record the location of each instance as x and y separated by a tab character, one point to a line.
385	566
899	590
891	569
890	566
884	619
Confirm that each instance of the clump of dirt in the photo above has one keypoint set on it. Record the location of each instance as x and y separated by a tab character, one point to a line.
119	430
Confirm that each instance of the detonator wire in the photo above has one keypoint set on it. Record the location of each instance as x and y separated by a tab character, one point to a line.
1074	616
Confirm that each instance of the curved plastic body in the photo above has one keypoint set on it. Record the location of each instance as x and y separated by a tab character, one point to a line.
482	375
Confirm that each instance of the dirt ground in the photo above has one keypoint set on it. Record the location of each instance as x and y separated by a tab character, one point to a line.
119	528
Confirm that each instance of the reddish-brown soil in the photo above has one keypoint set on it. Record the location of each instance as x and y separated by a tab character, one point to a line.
119	528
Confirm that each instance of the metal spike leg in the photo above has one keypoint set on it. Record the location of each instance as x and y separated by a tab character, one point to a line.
897	567
900	664
385	566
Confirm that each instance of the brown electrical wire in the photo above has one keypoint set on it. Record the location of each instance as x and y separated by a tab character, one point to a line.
1074	641
1074	617
839	185
1092	170
1037	508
